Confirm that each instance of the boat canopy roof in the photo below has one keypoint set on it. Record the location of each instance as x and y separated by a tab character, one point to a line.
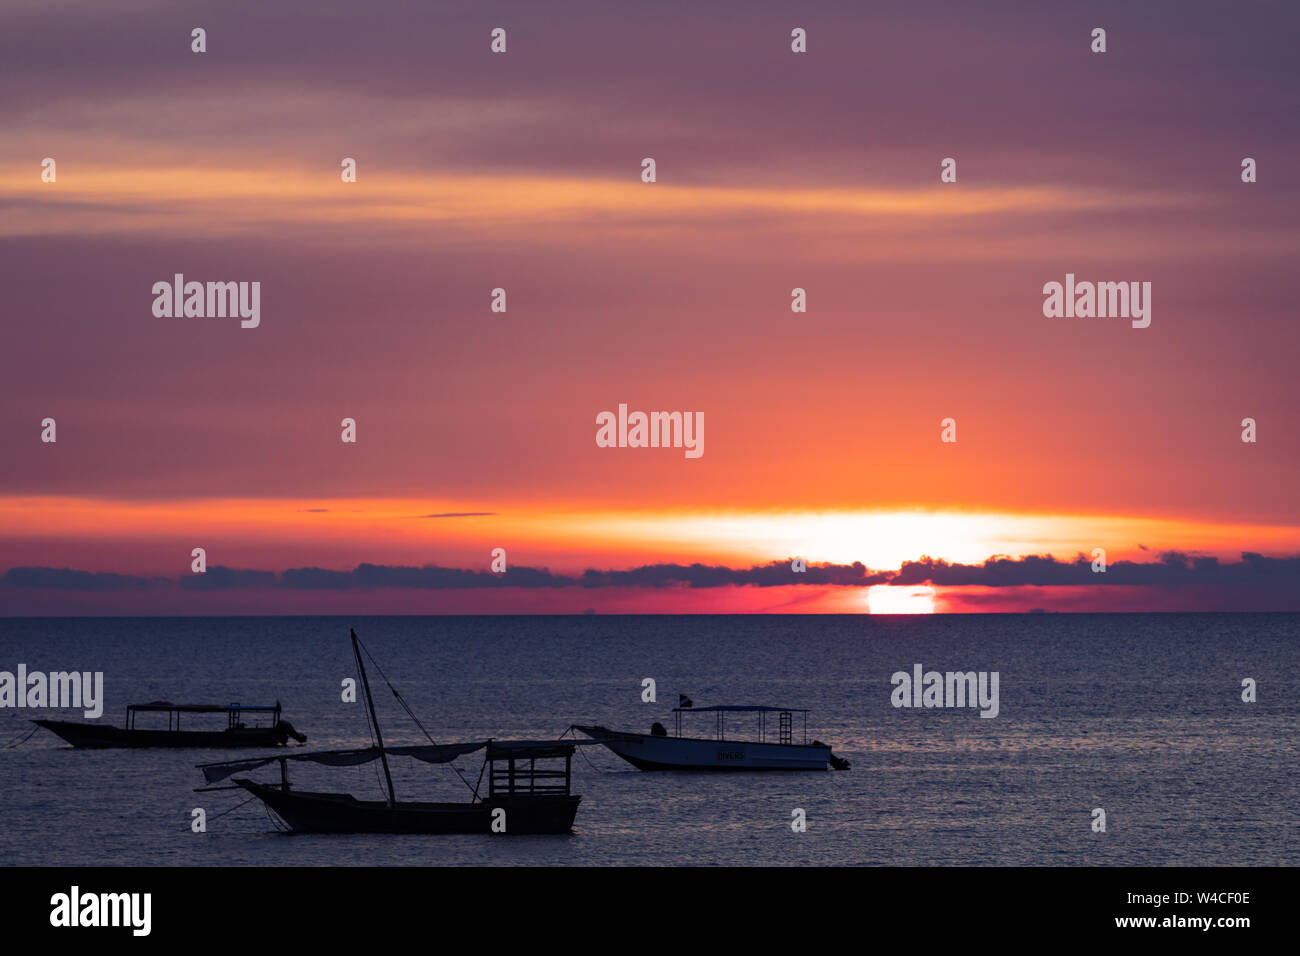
503	749
738	707
203	708
428	753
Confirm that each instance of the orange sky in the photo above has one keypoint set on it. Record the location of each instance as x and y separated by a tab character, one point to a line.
100	535
774	173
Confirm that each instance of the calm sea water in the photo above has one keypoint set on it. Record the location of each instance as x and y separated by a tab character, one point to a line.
1138	714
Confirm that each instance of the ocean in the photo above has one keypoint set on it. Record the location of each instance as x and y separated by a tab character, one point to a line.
1139	715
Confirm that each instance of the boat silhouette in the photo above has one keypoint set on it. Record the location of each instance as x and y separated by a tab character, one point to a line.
659	751
522	798
235	734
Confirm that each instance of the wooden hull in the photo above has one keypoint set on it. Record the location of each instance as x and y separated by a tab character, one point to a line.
648	752
307	812
93	736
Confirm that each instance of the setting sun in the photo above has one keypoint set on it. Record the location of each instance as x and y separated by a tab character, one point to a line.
885	599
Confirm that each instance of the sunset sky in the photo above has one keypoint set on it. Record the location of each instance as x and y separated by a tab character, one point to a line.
775	170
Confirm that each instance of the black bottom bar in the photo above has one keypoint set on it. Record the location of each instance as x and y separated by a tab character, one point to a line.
984	906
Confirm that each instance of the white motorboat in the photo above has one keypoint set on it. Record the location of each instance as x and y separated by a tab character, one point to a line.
658	750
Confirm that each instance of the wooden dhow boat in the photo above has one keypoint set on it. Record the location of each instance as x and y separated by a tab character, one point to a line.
521	798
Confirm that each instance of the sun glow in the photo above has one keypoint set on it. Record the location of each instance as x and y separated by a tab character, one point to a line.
884	599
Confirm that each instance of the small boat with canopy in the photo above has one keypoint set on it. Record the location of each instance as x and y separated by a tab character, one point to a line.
780	751
522	797
247	725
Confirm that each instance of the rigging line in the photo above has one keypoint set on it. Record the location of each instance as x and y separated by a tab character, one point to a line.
583	751
224	812
410	713
379	775
282	827
473	790
480	778
17	743
400	699
371	767
374	742
374	737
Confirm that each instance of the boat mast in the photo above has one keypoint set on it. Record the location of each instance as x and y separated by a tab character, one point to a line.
370	702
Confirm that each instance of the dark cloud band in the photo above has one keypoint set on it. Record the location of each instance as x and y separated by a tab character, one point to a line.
1172	570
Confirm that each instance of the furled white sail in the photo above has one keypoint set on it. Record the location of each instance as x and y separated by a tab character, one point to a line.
429	753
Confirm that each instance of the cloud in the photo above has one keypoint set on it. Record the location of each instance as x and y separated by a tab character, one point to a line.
462	514
220	578
66	579
775	574
430	577
1254	573
1171	569
158	196
316	579
471	109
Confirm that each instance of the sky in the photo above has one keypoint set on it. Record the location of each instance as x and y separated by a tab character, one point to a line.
775	170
